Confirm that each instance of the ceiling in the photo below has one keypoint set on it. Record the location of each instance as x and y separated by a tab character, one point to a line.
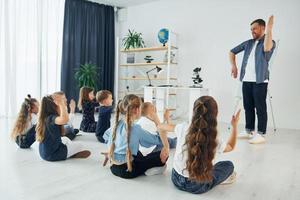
123	3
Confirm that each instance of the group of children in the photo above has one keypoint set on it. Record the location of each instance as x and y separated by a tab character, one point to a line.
138	142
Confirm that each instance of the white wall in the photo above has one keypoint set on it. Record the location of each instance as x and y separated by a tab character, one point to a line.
208	29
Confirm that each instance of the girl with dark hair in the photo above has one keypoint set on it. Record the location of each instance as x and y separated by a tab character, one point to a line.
49	131
87	104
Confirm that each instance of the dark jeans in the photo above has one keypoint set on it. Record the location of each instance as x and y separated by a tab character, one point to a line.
221	171
26	140
100	139
70	132
140	165
254	97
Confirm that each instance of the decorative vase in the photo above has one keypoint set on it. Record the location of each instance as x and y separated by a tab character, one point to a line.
130	58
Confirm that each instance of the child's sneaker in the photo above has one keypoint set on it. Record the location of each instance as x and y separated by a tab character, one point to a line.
257	139
156	170
231	179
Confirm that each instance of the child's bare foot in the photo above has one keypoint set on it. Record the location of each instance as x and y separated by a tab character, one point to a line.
105	158
82	154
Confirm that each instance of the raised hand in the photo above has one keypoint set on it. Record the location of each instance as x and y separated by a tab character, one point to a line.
270	23
59	100
164	155
235	119
167	115
72	106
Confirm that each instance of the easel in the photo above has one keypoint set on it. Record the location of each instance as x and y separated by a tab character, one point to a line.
239	97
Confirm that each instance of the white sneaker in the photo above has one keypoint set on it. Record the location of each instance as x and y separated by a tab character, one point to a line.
257	139
231	179
245	135
156	170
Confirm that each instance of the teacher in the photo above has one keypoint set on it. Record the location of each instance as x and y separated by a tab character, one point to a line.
254	74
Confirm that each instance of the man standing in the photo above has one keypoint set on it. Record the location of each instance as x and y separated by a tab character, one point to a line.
254	74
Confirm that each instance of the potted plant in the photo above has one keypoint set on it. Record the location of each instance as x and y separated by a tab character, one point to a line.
132	40
86	75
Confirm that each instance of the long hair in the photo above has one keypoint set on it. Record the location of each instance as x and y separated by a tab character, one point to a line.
126	106
23	117
200	141
84	95
48	107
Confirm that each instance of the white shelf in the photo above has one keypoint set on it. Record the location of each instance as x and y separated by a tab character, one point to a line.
128	73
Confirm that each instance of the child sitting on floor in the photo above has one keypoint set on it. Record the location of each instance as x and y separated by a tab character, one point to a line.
149	121
49	131
87	104
104	97
23	132
193	168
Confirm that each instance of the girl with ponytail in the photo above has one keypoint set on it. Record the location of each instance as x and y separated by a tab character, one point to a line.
23	132
124	140
193	168
52	117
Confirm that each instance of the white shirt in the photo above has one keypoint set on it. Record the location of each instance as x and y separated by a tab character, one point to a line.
180	157
250	73
149	126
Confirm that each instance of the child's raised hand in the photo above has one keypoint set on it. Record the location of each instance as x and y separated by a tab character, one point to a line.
164	155
153	116
235	119
72	106
59	100
167	115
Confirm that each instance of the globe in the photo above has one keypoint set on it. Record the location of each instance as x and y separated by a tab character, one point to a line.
163	36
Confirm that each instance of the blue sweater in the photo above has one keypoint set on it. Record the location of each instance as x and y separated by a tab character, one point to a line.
138	136
103	122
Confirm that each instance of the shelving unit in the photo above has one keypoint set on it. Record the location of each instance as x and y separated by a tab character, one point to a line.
132	77
159	48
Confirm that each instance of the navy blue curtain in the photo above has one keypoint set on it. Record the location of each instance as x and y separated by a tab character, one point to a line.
88	37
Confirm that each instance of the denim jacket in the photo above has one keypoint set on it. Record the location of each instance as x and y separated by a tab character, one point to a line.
262	58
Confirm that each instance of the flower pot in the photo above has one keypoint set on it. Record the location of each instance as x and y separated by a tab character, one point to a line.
130	58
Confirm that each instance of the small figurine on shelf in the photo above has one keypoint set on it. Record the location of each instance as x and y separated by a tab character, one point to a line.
172	57
196	78
148	59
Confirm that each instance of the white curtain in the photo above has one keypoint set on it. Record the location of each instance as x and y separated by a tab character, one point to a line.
30	50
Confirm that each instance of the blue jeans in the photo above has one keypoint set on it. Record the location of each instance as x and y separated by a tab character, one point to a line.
26	140
221	171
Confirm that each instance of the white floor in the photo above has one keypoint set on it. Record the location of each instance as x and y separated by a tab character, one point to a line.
269	171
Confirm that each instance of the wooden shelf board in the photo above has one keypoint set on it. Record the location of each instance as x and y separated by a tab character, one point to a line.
145	64
159	48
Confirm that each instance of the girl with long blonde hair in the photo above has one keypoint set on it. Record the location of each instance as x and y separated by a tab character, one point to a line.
23	132
125	138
